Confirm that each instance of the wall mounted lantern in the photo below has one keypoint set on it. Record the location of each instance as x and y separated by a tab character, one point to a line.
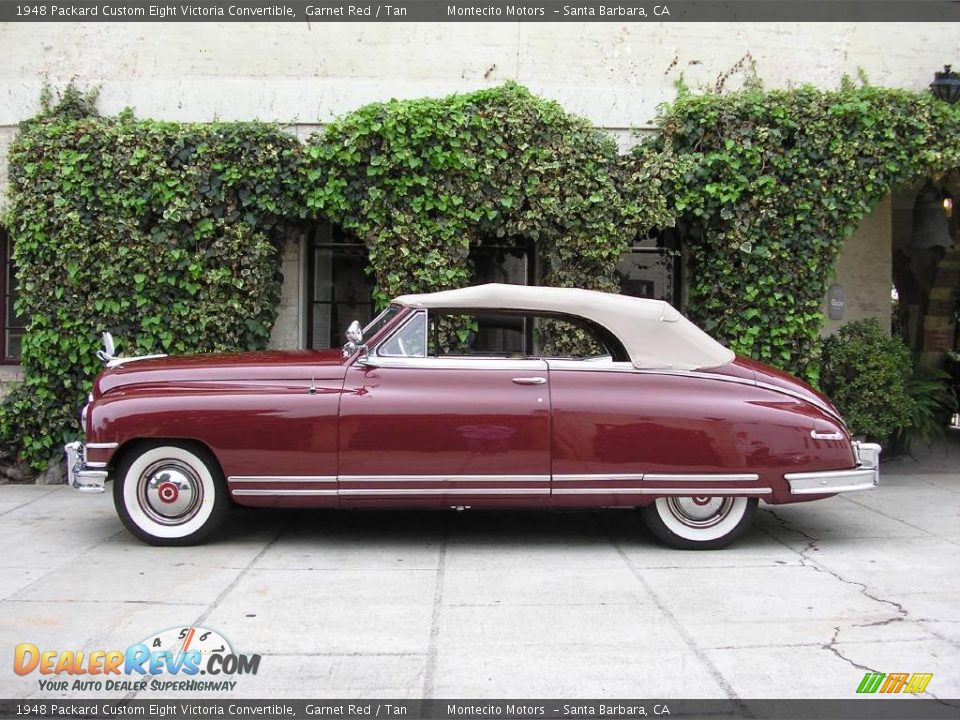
946	85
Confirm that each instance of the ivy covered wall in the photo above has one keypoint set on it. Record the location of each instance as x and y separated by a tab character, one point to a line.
164	234
780	180
421	181
168	234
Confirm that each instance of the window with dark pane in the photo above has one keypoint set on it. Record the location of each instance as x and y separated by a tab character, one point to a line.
13	324
339	289
509	261
651	269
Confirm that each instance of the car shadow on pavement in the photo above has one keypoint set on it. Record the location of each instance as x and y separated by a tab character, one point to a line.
478	528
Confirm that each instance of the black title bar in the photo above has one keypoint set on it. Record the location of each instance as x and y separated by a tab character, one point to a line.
481	11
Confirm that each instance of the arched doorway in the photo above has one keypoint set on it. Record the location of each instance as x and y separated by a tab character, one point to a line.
926	267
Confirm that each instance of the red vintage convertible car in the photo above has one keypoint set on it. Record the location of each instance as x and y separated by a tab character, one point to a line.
461	399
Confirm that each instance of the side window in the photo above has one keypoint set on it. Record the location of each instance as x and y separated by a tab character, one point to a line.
409	340
560	338
511	336
477	335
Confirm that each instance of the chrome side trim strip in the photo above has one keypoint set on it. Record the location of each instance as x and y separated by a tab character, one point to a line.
282	478
698	374
456	363
706	477
598	491
659	477
443	478
445	491
594	365
742	381
663	491
101	446
827	474
262	492
592	477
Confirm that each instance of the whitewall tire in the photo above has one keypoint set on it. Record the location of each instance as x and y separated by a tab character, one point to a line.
699	523
170	493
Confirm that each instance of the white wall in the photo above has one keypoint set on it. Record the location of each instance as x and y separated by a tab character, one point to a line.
614	74
864	270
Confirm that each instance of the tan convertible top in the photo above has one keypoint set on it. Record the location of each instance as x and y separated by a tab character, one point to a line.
653	332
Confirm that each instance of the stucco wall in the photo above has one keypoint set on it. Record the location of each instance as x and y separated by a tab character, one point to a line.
288	329
864	270
6	137
615	74
9	374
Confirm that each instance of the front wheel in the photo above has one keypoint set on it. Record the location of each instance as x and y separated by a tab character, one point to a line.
699	523
170	494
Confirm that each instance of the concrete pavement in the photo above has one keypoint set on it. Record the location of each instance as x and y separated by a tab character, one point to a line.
508	604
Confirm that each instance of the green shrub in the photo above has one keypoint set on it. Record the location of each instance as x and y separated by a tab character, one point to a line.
933	401
166	234
866	374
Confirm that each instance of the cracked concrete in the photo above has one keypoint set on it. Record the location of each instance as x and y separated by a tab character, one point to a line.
495	604
812	544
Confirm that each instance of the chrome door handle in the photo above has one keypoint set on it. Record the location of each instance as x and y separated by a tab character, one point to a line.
530	380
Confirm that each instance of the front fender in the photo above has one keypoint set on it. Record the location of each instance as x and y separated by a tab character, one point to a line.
254	431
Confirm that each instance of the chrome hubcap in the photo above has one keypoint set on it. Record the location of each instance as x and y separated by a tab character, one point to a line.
170	492
699	511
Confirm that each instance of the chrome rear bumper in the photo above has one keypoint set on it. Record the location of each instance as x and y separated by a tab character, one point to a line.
827	482
80	475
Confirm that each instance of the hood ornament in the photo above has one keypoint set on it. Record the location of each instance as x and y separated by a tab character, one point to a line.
109	359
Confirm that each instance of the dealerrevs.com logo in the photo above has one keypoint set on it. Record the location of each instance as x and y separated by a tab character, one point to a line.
170	660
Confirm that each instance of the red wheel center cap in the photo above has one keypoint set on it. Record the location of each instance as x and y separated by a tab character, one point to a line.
169	492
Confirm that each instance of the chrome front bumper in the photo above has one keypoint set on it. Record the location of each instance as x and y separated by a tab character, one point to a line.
81	475
863	477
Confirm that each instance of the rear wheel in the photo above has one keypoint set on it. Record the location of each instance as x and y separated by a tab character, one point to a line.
699	523
170	494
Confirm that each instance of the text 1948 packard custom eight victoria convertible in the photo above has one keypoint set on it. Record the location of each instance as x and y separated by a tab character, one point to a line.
657	416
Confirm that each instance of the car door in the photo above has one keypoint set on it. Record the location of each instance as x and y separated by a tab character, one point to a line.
443	431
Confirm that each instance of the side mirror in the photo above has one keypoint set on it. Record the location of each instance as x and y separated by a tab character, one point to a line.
354	337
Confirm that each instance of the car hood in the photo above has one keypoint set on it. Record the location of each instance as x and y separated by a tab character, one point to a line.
193	370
